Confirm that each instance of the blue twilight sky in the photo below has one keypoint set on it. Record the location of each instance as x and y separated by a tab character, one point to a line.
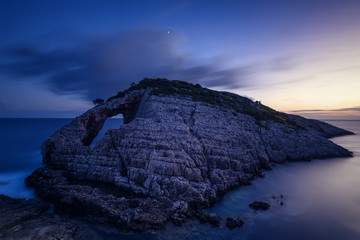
300	56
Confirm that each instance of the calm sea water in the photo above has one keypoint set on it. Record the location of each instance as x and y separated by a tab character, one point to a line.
322	197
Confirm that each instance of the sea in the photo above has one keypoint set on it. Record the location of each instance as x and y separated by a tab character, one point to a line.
321	197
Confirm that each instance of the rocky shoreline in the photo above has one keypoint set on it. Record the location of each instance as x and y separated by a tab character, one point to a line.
180	148
36	219
33	219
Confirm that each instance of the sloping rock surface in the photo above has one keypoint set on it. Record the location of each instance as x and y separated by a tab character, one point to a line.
180	147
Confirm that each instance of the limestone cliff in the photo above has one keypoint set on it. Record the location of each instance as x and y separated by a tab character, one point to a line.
180	146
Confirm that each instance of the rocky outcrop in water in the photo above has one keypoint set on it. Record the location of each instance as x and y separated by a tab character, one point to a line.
234	222
181	146
259	205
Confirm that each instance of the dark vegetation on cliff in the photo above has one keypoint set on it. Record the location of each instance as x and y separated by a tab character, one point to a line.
197	93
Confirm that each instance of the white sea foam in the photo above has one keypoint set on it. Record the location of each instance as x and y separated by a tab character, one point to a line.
12	184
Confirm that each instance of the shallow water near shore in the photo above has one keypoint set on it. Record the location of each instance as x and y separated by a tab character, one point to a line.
321	197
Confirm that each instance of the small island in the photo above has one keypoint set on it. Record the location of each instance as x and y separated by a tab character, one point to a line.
181	147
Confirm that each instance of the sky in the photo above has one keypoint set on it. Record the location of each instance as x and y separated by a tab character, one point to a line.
301	57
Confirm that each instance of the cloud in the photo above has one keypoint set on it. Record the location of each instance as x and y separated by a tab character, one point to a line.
353	109
285	62
352	113
102	66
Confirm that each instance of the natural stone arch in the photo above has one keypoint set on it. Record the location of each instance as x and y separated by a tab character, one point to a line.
84	128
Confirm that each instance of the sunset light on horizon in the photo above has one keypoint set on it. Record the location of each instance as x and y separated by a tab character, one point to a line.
297	57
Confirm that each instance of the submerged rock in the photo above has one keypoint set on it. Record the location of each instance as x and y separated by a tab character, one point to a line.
259	205
179	148
234	222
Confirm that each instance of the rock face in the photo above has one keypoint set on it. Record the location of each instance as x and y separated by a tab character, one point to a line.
180	147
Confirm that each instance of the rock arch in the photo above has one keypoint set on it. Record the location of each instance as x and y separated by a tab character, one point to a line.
83	129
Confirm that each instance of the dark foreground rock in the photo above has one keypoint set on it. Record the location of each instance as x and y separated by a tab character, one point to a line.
180	147
205	217
30	219
96	206
259	205
234	222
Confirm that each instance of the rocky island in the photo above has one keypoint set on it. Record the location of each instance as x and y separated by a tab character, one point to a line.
180	147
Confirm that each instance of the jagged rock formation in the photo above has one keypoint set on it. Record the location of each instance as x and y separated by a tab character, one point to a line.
180	147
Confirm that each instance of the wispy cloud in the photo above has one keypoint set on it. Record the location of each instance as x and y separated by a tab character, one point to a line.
102	66
352	113
352	109
105	65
